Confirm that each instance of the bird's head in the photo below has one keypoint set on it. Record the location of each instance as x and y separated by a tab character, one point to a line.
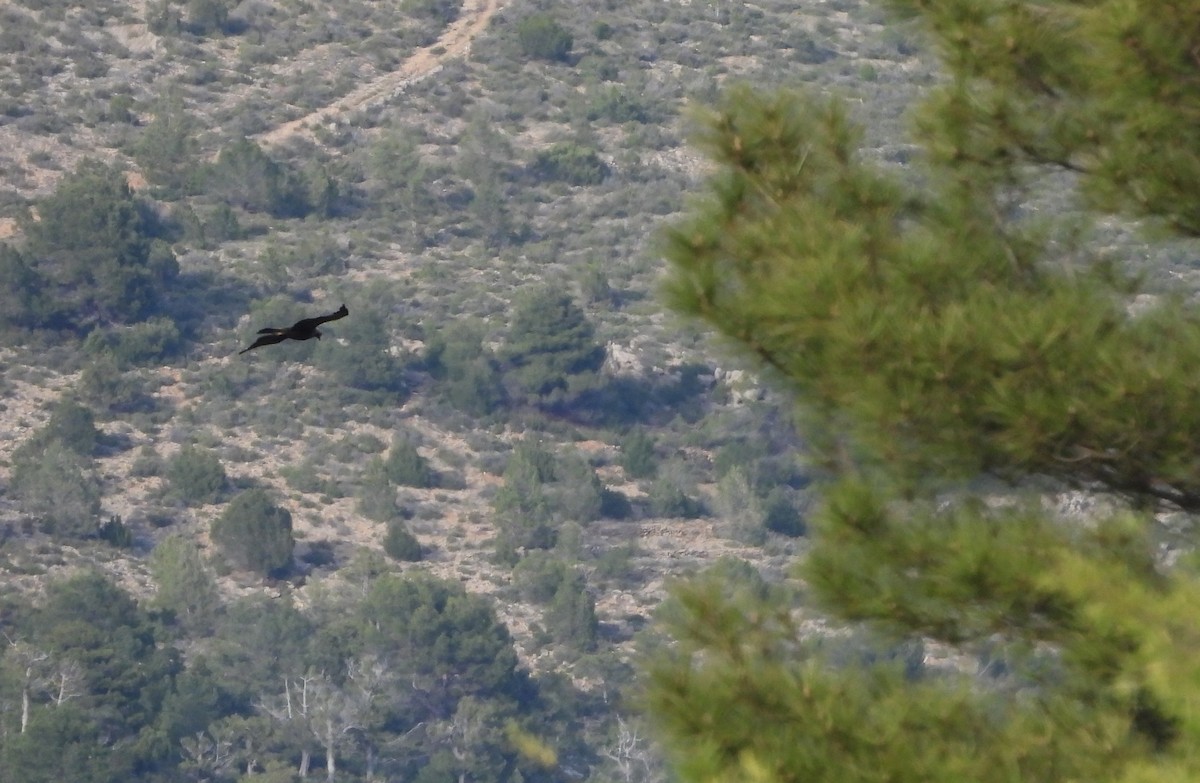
317	333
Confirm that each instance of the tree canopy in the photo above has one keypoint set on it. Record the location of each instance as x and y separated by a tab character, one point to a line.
941	338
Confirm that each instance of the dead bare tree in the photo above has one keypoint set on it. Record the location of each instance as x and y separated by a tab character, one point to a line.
632	756
39	673
319	709
206	756
28	661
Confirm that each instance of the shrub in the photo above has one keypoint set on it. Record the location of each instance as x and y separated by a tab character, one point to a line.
56	488
570	163
551	345
539	576
89	259
400	544
150	341
377	495
637	455
196	476
782	516
405	465
245	175
71	424
542	37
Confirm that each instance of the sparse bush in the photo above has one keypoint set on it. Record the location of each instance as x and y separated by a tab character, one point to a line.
196	476
149	341
367	362
377	495
166	150
245	175
616	563
467	372
539	575
522	509
205	17
571	615
616	104
740	510
186	586
671	495
442	11
105	385
147	463
305	477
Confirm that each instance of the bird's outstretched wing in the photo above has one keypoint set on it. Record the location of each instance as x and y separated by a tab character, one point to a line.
307	325
269	337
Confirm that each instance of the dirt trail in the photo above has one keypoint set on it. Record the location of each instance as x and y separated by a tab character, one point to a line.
454	42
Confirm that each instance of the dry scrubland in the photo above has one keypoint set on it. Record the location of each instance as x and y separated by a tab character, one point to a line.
329	89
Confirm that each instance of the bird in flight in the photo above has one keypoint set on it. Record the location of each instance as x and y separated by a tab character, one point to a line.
305	329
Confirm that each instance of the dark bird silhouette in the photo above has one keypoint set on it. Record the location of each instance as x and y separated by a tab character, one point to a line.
305	329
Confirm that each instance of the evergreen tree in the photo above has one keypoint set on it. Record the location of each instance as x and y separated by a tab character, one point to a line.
72	425
571	615
403	177
89	258
542	37
57	488
551	346
935	336
637	455
523	513
448	641
185	584
22	298
400	544
580	492
255	534
377	493
484	160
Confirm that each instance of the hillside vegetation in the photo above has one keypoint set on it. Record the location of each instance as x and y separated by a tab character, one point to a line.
427	546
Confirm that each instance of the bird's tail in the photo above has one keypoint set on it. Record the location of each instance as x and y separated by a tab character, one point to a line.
270	330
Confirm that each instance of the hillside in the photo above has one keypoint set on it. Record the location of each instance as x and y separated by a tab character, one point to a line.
446	171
